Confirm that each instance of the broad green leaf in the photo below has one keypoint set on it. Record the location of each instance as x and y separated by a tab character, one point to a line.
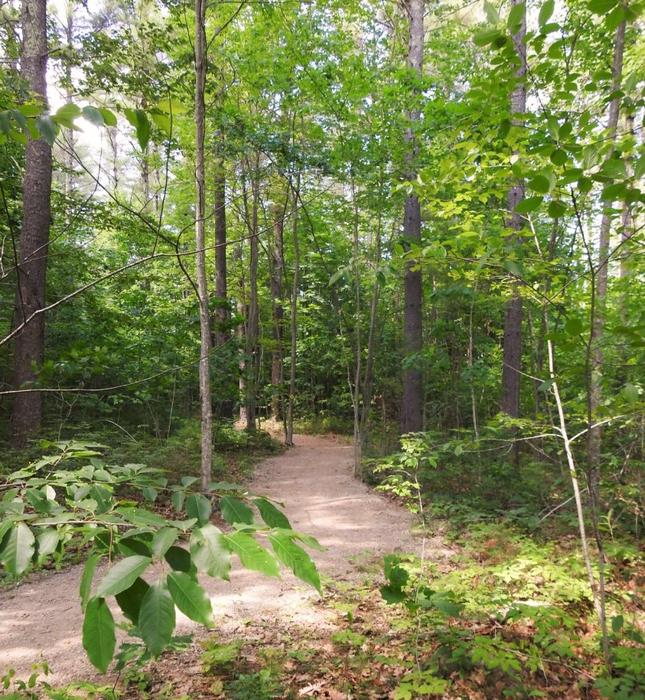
516	16
141	517
294	557
179	559
234	511
48	540
130	600
47	129
108	116
162	121
528	204
602	7
486	37
540	183
139	120
190	597
271	515
18	549
209	551
557	208
546	11
558	156
157	617
93	115
66	115
85	588
99	639
122	575
163	539
198	506
251	554
177	500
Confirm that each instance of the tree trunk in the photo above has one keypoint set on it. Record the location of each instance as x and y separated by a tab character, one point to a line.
252	330
200	243
594	437
241	331
277	371
412	405
29	350
293	325
512	348
222	314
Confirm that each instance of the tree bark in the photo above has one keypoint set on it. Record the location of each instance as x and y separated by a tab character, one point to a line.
412	404
594	437
222	312
200	243
29	351
293	321
277	276
512	346
252	330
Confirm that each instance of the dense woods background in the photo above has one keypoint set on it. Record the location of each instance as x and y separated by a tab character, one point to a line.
371	218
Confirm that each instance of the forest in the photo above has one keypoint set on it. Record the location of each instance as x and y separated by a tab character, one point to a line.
322	334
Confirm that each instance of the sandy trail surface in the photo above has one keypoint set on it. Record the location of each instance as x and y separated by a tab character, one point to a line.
41	619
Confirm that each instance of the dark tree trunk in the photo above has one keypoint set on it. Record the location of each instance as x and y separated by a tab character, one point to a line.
512	350
200	245
412	405
277	372
29	350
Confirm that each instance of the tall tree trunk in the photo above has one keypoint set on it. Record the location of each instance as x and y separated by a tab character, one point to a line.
594	437
252	330
277	369
241	331
366	389
412	405
200	243
512	350
222	312
293	321
358	343
29	350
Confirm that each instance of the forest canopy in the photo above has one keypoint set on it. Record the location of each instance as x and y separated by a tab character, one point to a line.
417	224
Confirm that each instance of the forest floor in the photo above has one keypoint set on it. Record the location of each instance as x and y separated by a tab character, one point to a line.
41	618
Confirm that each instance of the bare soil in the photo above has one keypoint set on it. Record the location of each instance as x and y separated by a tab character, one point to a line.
41	619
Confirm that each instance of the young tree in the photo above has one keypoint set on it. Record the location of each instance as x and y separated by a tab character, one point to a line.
34	234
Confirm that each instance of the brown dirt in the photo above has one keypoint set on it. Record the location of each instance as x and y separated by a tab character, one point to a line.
41	619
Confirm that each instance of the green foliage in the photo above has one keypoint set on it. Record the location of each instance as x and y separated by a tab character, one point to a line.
217	655
74	497
254	686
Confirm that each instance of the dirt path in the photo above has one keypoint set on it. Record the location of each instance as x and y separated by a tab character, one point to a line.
42	619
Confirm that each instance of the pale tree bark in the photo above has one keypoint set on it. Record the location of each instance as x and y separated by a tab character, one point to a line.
277	277
512	347
200	243
367	383
222	314
253	320
29	349
599	292
412	403
293	321
241	331
358	343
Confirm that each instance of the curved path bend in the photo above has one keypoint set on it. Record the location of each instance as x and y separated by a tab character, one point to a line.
41	619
